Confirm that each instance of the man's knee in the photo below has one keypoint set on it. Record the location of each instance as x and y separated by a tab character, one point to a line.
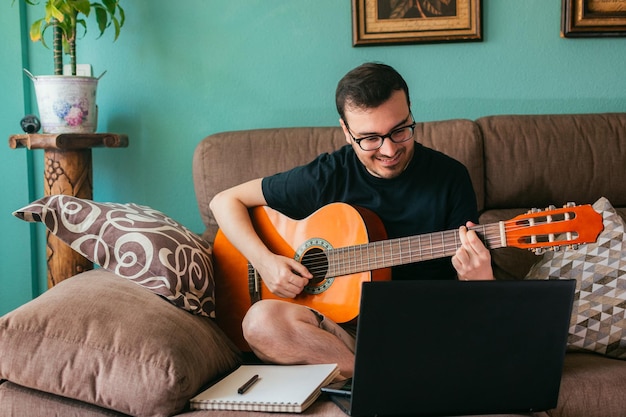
261	318
271	318
255	317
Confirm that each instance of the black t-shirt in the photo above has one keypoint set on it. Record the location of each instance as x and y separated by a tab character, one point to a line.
433	194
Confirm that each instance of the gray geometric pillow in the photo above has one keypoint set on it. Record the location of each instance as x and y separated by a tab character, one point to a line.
599	314
134	242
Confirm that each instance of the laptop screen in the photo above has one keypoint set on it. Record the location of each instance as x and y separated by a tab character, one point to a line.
460	347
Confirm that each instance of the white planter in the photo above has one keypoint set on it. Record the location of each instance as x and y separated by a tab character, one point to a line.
67	104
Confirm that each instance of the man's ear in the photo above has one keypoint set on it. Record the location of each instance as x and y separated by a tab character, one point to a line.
345	131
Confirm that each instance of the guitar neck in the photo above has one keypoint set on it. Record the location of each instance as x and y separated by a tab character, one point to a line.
406	250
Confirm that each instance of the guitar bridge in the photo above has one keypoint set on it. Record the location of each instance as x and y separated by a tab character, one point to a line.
253	284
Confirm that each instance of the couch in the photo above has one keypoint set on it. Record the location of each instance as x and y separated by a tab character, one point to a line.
99	345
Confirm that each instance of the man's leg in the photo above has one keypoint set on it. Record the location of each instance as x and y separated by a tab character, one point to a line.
287	333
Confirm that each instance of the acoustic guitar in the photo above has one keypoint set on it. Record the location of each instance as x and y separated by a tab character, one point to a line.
343	246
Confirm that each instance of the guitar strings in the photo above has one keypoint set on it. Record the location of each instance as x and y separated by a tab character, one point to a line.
350	260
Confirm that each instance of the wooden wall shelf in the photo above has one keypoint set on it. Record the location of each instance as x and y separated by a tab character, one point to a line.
68	141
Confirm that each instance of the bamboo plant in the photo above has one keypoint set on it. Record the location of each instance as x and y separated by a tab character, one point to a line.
65	17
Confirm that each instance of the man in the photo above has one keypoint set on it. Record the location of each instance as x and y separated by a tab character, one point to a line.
413	189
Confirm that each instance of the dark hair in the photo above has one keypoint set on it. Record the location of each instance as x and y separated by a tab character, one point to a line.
368	86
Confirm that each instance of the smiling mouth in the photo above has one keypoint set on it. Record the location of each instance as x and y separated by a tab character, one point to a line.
389	161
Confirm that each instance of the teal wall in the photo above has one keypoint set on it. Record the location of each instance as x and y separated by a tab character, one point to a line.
18	278
182	70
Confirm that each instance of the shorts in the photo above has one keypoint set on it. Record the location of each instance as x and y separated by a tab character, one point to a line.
345	332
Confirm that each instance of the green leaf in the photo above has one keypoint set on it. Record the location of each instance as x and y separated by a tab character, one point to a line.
53	12
67	15
122	16
81	22
117	28
110	5
82	6
64	8
35	30
44	26
102	18
65	26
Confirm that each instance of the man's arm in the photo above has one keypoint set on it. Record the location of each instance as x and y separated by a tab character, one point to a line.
283	276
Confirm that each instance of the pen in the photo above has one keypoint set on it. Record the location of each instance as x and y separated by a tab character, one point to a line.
245	387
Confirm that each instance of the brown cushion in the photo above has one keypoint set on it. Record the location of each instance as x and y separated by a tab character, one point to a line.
216	167
21	401
538	160
591	386
26	402
105	341
136	242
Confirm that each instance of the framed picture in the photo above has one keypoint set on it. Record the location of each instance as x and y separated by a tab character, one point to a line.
376	22
593	18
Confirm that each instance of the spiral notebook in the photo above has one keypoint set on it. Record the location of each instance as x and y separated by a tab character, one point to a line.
278	388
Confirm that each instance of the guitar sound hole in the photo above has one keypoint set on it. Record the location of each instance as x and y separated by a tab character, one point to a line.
317	263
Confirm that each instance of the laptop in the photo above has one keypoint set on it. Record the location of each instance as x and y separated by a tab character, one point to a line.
459	347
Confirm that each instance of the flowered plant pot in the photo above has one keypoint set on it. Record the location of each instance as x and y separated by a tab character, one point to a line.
67	104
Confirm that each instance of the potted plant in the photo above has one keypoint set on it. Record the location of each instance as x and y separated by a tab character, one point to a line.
67	103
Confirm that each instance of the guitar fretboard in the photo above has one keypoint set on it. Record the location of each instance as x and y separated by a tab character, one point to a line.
405	250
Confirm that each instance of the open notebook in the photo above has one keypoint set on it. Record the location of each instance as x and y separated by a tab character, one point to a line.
279	388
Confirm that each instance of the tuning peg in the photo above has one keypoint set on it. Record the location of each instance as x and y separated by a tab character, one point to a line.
538	251
551	207
569	204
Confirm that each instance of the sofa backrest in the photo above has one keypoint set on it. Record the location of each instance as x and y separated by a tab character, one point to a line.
223	160
533	161
538	160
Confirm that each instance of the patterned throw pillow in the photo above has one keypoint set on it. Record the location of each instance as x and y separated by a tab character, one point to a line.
134	242
598	318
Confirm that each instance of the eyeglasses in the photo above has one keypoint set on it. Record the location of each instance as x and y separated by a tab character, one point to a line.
374	142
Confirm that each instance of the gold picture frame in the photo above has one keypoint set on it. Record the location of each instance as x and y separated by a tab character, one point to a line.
377	22
593	18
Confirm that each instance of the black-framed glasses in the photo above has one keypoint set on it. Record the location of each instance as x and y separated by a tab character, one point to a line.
374	142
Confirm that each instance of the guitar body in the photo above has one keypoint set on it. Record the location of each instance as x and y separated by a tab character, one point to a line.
336	225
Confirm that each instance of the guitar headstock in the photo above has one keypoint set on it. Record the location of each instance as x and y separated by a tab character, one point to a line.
553	228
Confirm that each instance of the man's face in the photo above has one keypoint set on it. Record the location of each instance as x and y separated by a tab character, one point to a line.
391	159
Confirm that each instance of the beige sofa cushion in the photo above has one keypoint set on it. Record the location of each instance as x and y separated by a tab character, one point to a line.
591	386
249	154
105	341
20	401
538	160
